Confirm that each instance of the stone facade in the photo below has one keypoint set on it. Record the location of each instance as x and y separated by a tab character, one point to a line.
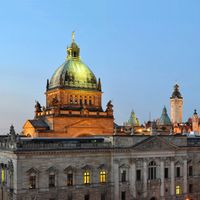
132	167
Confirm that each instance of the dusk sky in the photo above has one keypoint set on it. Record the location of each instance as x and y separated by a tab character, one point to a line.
139	49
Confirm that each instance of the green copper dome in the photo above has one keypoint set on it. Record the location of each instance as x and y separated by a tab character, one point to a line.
73	73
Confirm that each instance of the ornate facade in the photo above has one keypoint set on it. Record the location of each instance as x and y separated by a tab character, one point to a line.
106	168
73	103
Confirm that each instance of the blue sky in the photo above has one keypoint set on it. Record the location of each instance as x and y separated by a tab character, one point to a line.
138	48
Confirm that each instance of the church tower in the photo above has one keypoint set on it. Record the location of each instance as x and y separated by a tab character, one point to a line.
176	105
73	103
195	122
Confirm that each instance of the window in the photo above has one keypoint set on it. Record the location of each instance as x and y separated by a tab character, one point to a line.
178	190
123	196
69	197
178	172
71	99
103	196
190	171
190	188
52	180
124	176
102	178
32	181
86	177
138	175
87	197
166	173
2	175
152	170
70	179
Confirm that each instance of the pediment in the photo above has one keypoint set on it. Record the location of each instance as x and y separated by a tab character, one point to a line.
52	170
69	169
155	143
33	171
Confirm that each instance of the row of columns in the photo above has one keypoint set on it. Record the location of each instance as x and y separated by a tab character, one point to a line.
132	178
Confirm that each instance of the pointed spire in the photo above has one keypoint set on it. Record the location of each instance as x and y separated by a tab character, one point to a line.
47	86
99	85
73	36
164	119
195	112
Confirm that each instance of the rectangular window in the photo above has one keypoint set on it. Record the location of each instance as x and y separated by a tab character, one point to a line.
87	197
69	197
103	196
69	179
124	176
190	171
138	175
52	180
102	176
86	177
123	196
32	180
190	188
3	175
178	172
166	173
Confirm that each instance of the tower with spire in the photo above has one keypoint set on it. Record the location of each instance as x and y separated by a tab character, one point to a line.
176	105
195	122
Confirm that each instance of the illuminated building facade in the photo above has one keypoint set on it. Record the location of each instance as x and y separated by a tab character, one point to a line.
99	168
73	103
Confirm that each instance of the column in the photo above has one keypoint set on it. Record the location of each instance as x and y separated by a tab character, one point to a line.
145	178
185	176
116	179
132	177
162	186
172	189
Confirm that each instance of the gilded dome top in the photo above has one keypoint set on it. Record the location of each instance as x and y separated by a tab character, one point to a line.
73	73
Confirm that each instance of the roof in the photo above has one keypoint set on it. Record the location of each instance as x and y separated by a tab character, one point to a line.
176	93
39	123
73	73
164	119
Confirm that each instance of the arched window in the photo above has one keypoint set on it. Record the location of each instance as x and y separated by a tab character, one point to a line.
86	177
152	170
102	176
178	190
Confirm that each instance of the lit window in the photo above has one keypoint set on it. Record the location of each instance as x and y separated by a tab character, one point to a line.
86	177
3	175
102	177
32	182
52	180
178	190
70	179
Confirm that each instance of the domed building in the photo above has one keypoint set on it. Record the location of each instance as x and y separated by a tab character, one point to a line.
73	103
